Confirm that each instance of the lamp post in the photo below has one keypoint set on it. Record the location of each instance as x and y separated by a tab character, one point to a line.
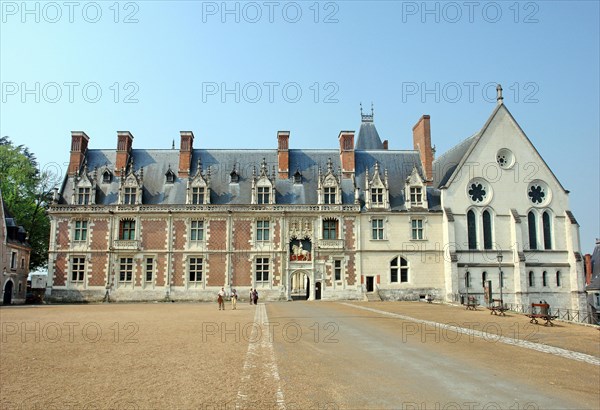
467	281
499	258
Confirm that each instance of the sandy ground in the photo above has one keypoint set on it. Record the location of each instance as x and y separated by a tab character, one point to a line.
315	355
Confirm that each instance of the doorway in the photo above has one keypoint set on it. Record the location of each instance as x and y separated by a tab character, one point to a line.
370	287
317	290
8	290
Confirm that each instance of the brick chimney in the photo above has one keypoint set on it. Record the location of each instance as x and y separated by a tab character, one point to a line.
283	154
587	259
124	143
346	139
422	143
185	153
79	144
385	144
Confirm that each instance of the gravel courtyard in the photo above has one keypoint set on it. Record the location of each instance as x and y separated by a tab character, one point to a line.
321	355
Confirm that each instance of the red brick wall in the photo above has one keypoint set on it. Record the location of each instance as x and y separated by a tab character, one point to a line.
62	237
276	234
217	266
160	270
178	234
242	270
176	270
218	235
351	271
98	270
60	270
350	245
98	236
154	234
241	234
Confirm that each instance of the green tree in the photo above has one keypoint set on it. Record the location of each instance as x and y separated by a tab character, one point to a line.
27	194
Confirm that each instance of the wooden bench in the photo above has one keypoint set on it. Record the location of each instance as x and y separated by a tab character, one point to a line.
544	314
497	307
471	303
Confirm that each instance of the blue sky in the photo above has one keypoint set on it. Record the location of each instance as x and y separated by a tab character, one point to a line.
235	73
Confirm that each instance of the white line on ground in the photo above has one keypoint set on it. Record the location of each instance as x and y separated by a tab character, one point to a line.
557	351
260	349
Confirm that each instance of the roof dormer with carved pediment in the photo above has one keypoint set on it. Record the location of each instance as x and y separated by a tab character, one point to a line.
131	186
263	186
84	187
329	189
377	193
415	190
198	186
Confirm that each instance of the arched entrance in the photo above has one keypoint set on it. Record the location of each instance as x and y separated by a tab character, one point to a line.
300	285
8	291
317	290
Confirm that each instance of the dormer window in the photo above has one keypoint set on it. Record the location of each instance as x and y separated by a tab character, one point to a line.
263	195
170	175
106	177
83	196
197	195
129	195
329	195
263	185
235	177
297	177
329	189
376	189
377	196
198	187
416	196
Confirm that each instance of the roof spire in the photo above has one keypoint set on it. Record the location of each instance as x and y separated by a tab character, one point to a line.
499	97
366	117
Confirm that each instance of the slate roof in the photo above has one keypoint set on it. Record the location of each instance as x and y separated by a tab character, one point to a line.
445	164
221	162
368	137
15	233
595	281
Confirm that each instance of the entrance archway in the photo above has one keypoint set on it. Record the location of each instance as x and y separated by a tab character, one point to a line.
300	285
370	281
8	291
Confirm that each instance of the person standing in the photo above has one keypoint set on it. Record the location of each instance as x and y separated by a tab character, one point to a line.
233	299
255	297
221	299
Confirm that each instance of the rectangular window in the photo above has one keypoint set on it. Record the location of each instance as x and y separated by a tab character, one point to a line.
377	229
329	195
262	230
80	230
416	197
337	269
149	268
263	195
126	270
83	197
77	269
403	274
197	195
127	230
129	196
22	263
377	196
262	269
197	231
416	229
330	229
195	269
13	260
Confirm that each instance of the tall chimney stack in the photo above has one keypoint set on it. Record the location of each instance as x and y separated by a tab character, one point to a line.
185	153
124	143
79	144
346	139
283	154
422	143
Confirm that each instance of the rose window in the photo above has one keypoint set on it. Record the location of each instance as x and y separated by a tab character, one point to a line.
477	192
505	158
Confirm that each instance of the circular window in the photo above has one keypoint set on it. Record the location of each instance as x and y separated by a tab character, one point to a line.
538	193
505	158
479	191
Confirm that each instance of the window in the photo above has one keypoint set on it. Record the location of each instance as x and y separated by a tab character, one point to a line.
80	230
197	231
544	279
129	197
263	194
197	195
126	269
416	226
531	279
235	177
330	229
170	176
13	260
468	279
483	278
149	269
106	177
487	229
83	196
547	231
329	195
195	269
532	230
127	230
471	230
376	196
416	197
77	269
377	229
262	230
558	278
22	263
337	270
20	286
396	268
297	177
262	269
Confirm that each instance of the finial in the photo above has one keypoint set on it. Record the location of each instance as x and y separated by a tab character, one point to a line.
199	167
499	97
329	165
372	113
361	109
173	145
